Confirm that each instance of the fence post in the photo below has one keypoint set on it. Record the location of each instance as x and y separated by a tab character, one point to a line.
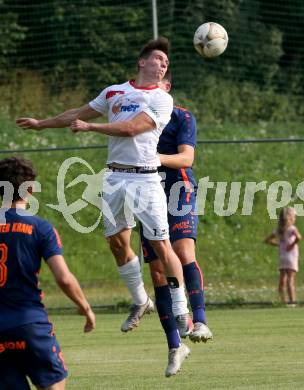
154	16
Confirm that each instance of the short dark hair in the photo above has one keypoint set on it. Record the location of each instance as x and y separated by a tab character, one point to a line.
160	43
16	170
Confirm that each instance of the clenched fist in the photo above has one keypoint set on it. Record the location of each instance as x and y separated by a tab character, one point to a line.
79	125
28	123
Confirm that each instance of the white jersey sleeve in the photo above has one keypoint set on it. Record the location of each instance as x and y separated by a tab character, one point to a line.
100	103
159	109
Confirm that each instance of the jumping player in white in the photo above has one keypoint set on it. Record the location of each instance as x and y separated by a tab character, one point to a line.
137	110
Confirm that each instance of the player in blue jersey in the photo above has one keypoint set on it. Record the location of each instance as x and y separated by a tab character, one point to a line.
176	151
28	346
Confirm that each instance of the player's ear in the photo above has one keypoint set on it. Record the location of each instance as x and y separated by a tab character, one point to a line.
168	86
141	63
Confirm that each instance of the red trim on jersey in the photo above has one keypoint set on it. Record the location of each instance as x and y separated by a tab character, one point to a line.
113	93
60	355
132	82
58	238
181	108
187	184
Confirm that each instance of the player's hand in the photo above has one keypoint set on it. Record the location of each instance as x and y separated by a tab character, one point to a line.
28	123
79	125
90	319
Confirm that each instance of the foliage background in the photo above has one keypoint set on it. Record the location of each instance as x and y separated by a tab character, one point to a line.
76	49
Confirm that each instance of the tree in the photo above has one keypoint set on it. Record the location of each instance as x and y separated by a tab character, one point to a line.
12	34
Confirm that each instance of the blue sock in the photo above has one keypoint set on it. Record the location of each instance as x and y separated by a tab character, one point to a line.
163	303
195	287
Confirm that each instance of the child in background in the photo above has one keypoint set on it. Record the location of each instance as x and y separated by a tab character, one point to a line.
287	236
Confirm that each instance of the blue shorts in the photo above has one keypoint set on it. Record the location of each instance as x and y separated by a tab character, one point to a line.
180	226
30	351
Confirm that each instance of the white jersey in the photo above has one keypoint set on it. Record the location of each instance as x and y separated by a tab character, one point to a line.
123	102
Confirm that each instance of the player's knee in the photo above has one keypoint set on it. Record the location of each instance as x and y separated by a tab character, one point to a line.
117	246
183	256
162	249
185	250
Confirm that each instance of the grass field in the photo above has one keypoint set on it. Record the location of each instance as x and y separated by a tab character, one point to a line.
237	264
252	349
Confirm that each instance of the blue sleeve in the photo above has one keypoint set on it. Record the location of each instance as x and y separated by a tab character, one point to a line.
50	243
187	129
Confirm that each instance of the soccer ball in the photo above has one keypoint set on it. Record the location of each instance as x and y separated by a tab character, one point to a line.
210	39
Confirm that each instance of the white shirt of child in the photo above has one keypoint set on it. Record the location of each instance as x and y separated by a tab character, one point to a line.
123	102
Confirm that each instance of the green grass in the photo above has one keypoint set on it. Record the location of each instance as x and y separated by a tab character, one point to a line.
252	349
236	263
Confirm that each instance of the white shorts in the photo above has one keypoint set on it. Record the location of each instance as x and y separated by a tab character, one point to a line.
126	195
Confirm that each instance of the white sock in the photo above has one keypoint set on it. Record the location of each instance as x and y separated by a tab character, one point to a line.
131	274
179	301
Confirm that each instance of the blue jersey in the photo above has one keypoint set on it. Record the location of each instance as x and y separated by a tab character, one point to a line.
24	241
181	130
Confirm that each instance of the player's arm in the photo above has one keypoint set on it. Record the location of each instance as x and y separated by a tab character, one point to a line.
130	128
183	159
71	288
271	240
62	120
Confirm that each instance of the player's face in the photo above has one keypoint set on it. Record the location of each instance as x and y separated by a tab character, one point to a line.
156	64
